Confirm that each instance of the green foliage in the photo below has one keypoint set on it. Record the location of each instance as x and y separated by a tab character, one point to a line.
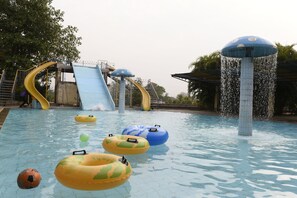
181	99
286	54
207	62
155	90
136	94
50	95
31	32
168	100
285	96
184	99
204	92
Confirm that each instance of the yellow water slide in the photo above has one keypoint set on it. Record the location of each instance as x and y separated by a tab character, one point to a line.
30	84
146	98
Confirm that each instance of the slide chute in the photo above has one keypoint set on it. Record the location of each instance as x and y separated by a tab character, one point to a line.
30	85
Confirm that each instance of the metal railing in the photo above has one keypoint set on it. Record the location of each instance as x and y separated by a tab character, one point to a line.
16	78
89	63
2	77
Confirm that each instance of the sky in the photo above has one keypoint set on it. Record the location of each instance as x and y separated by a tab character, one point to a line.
156	38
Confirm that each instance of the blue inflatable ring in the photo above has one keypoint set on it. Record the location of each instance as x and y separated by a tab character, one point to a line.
155	135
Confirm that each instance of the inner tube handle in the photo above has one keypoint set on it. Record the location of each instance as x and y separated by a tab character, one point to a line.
80	152
157	125
132	140
153	130
124	160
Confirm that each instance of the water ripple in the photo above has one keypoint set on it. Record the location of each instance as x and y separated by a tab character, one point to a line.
204	156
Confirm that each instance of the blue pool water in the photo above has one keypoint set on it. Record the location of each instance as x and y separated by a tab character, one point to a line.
203	156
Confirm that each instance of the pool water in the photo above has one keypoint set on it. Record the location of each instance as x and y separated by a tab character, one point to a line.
203	157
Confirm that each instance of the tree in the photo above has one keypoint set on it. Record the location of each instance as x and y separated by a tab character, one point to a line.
136	94
168	99
184	99
285	96
31	32
204	92
286	88
156	91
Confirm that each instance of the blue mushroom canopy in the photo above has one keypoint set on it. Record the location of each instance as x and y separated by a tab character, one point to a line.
122	73
249	46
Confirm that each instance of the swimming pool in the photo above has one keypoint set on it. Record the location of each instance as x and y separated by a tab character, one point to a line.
203	156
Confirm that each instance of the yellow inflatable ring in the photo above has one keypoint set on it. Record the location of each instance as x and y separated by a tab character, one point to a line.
125	144
85	118
93	171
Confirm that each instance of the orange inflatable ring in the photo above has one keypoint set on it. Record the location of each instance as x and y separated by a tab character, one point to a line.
93	171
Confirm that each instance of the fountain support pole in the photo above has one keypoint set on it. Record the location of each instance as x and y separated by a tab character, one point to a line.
246	97
122	73
122	95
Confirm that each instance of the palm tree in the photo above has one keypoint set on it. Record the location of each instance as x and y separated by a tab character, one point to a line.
205	88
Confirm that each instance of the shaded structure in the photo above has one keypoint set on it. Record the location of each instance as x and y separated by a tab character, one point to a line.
285	73
210	78
286	79
122	73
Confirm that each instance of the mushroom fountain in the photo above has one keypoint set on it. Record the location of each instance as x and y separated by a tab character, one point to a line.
246	49
122	73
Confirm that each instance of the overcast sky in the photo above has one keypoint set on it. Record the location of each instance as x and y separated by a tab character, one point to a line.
156	38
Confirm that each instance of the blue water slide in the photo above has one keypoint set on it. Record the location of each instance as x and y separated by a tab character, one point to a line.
93	91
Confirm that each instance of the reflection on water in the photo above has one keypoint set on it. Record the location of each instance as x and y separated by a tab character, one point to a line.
203	157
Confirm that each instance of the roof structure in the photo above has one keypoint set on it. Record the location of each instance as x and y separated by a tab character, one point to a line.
209	77
285	73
